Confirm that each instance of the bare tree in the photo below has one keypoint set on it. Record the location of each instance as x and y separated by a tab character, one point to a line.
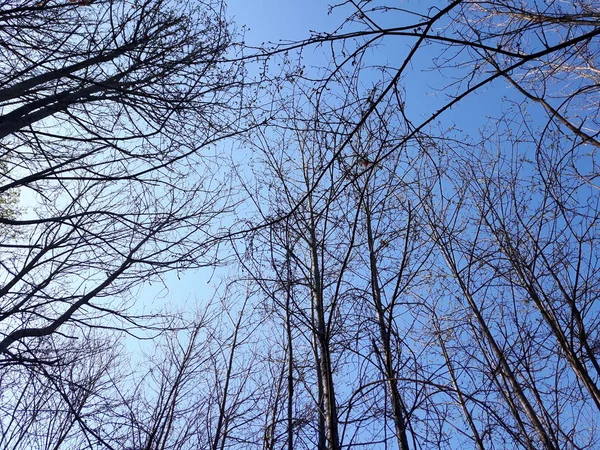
315	280
497	355
109	113
520	262
64	405
399	284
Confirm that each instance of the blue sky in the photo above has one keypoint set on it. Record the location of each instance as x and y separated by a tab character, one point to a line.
280	21
273	21
264	20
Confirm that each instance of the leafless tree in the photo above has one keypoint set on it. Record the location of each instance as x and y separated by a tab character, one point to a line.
498	356
399	283
110	114
62	405
513	238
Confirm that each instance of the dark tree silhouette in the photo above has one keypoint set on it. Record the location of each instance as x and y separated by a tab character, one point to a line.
110	112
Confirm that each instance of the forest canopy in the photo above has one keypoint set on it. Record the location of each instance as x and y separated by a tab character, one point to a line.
398	216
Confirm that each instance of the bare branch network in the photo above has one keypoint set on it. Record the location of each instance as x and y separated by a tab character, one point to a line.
392	266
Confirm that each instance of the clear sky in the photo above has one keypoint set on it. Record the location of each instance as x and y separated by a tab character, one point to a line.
275	21
264	21
280	21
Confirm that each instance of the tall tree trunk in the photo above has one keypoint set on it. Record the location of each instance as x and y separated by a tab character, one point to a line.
322	341
290	357
398	408
504	371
